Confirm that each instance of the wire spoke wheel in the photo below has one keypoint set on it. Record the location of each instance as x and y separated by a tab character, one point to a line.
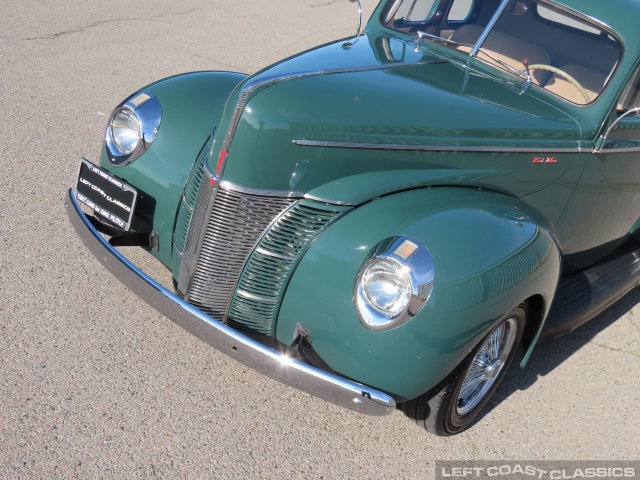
451	406
486	366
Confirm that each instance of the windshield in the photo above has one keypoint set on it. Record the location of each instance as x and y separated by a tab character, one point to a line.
543	45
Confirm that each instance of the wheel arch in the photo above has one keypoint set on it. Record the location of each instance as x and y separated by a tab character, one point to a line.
491	253
537	310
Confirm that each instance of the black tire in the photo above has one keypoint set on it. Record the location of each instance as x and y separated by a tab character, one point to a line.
446	410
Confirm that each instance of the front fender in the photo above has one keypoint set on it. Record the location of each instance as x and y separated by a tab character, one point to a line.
192	105
491	252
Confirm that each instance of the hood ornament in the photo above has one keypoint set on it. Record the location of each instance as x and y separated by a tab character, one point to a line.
348	45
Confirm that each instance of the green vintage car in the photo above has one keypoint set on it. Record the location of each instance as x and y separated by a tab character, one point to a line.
383	220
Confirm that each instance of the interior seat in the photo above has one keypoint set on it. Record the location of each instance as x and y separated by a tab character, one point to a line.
507	49
591	80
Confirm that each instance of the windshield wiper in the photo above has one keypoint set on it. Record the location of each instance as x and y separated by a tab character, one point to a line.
443	41
528	82
524	74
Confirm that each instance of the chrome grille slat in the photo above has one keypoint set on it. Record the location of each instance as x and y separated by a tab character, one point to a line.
195	227
268	270
235	224
235	249
187	207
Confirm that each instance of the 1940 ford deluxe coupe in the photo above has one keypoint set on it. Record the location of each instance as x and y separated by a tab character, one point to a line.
384	219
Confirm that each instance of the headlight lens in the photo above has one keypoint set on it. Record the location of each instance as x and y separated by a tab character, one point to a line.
125	130
132	128
394	283
387	287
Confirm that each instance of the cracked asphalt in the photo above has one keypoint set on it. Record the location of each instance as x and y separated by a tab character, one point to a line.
96	384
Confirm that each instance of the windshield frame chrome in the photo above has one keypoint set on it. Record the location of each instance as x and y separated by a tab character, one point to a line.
485	33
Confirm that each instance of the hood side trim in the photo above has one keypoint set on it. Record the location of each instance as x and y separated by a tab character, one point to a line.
431	148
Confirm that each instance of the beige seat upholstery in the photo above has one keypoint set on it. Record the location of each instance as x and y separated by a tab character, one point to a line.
507	49
591	81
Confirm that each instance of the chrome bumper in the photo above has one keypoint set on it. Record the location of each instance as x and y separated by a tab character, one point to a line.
265	360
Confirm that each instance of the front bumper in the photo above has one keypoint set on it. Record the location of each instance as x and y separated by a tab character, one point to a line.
269	362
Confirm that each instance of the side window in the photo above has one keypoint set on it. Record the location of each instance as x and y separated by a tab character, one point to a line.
554	16
631	95
460	10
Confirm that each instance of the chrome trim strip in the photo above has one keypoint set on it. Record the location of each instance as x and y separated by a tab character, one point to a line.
329	202
272	363
431	148
618	150
260	192
258	298
255	85
186	203
268	253
293	194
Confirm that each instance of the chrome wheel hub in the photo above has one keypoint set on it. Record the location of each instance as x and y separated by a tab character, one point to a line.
486	366
493	369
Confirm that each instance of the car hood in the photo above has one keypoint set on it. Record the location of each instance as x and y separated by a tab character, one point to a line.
381	117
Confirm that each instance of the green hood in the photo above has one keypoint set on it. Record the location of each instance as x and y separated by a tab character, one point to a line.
369	113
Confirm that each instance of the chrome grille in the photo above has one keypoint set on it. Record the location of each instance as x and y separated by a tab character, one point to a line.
187	205
256	301
196	225
235	224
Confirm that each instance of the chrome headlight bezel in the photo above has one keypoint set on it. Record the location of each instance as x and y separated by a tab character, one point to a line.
146	110
411	260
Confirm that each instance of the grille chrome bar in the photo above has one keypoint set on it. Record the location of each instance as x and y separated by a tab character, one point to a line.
261	286
230	225
235	248
187	206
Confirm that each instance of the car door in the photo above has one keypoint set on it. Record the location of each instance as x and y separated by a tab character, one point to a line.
605	207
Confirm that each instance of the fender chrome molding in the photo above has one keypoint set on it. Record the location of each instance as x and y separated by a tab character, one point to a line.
272	363
431	148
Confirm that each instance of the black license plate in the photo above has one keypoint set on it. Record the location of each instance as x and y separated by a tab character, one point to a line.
106	195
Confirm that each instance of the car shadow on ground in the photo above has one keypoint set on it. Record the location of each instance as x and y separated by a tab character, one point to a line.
550	354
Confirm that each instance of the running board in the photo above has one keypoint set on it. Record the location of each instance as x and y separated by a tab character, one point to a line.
583	295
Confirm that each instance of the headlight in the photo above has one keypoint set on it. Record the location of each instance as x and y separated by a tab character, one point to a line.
132	127
386	287
394	284
125	129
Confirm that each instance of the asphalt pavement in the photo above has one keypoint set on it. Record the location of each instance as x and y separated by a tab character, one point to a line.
96	384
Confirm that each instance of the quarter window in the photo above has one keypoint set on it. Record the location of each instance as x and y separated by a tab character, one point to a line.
460	10
554	16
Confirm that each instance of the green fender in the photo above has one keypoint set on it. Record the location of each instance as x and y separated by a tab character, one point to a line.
491	253
192	105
